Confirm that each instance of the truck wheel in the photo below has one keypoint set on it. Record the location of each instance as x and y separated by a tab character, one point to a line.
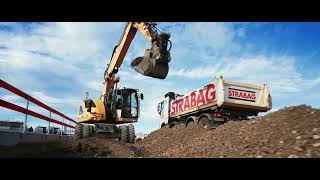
172	124
131	134
123	133
86	131
78	132
190	124
204	122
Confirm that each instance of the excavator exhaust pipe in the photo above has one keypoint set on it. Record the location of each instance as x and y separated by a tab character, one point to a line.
155	62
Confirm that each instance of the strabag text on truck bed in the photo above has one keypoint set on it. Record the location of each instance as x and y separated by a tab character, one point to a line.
194	99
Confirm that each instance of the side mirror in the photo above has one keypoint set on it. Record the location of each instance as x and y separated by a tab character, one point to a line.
159	108
141	96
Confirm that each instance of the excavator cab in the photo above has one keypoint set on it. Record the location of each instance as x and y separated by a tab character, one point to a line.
155	61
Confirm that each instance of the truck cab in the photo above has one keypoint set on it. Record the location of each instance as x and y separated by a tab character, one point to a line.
164	107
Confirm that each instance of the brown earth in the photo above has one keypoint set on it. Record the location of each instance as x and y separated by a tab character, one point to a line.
105	148
85	148
289	132
36	150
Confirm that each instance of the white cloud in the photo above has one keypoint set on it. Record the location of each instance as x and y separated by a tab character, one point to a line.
9	97
201	41
67	40
213	35
6	23
76	54
52	100
279	72
94	85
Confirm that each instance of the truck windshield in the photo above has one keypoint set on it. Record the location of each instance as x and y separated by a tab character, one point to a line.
129	103
160	107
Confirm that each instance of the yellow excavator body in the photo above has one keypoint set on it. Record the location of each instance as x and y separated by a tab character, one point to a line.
97	112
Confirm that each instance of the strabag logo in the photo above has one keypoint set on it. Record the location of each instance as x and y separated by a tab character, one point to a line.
197	98
240	94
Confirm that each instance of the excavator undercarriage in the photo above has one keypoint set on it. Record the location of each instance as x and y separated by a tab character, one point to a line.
124	133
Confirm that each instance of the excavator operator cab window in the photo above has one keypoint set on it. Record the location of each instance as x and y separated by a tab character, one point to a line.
130	106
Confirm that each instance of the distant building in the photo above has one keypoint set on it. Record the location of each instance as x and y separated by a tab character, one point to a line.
40	130
16	126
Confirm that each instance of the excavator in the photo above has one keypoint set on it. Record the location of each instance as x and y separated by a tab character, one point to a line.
106	117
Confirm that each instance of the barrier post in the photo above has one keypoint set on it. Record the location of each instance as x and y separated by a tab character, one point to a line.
62	127
70	128
49	122
26	117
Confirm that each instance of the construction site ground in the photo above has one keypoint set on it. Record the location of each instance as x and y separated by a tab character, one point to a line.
289	132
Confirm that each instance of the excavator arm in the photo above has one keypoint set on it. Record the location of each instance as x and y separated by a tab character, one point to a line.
155	61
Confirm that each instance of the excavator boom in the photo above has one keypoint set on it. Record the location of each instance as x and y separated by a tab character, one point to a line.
156	55
155	61
121	105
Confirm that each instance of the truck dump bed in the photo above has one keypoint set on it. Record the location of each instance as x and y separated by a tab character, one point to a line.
223	93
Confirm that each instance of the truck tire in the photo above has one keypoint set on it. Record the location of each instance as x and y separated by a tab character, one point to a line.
204	122
190	124
78	132
123	133
131	134
86	131
173	124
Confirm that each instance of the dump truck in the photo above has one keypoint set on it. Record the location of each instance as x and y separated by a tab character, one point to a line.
214	104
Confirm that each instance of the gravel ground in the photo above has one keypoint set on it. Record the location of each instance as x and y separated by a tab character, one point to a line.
288	133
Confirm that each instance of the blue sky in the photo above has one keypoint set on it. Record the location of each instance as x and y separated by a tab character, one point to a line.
58	62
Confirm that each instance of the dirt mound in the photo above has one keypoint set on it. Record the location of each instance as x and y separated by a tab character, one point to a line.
289	132
104	148
160	141
84	148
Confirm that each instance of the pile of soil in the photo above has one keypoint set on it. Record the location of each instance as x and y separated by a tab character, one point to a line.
104	148
289	132
159	142
84	148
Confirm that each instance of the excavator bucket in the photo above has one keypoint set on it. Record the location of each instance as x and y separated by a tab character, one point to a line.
155	61
150	65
